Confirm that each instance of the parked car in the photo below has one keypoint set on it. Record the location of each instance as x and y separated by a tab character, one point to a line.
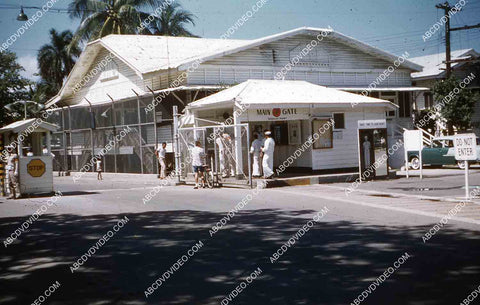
441	152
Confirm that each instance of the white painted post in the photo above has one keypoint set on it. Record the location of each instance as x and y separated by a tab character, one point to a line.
420	155
49	142
406	159
238	145
176	151
359	156
466	181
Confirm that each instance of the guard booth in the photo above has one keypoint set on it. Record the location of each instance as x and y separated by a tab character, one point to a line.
372	149
30	140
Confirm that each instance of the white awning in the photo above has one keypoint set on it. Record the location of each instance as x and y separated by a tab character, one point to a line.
19	126
259	93
132	95
382	89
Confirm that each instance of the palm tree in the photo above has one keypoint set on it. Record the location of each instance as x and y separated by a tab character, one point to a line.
172	21
103	17
57	58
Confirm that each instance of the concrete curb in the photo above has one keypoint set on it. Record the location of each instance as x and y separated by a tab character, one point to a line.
309	180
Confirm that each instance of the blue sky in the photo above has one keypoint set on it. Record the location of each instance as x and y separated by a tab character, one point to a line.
395	26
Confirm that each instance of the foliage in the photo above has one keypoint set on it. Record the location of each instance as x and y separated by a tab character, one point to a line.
173	21
55	60
13	87
459	109
104	17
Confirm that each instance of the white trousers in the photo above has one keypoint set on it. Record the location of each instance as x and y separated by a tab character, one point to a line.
163	167
256	164
221	159
267	165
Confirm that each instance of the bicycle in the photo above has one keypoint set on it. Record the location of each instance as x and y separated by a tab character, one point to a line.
208	178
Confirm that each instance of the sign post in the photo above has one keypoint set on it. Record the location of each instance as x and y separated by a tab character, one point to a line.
465	149
413	141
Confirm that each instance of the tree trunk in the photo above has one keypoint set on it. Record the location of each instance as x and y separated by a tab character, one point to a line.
450	129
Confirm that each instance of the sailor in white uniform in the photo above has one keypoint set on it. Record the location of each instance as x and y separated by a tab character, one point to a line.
12	173
366	152
221	154
268	149
255	150
229	155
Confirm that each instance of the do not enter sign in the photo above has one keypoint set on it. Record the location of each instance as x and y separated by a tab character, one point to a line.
36	168
465	147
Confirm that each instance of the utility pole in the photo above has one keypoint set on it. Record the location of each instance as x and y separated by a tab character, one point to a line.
448	60
446	7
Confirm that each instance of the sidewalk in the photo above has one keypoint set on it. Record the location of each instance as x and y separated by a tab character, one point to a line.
468	211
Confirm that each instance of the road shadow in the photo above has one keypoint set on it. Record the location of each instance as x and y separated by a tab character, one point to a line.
332	264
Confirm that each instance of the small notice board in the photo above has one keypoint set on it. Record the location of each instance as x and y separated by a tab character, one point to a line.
465	146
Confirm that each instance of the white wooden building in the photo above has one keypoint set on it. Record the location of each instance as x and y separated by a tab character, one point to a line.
141	68
294	111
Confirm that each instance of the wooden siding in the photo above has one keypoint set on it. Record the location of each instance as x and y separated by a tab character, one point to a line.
330	63
344	153
96	89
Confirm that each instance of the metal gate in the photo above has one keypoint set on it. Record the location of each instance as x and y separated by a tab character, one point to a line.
226	150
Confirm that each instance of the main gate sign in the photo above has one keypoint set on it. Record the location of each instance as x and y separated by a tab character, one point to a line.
278	114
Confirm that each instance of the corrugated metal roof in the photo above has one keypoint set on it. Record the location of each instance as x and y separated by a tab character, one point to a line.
274	92
154	53
149	53
433	66
381	89
22	125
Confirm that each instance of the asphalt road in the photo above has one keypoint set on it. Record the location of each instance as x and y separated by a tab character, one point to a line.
334	262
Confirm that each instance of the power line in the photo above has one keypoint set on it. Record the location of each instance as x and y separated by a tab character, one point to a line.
53	10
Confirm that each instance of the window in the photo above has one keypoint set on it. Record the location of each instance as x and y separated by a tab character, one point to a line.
428	97
109	71
339	120
404	104
280	133
392	97
323	127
